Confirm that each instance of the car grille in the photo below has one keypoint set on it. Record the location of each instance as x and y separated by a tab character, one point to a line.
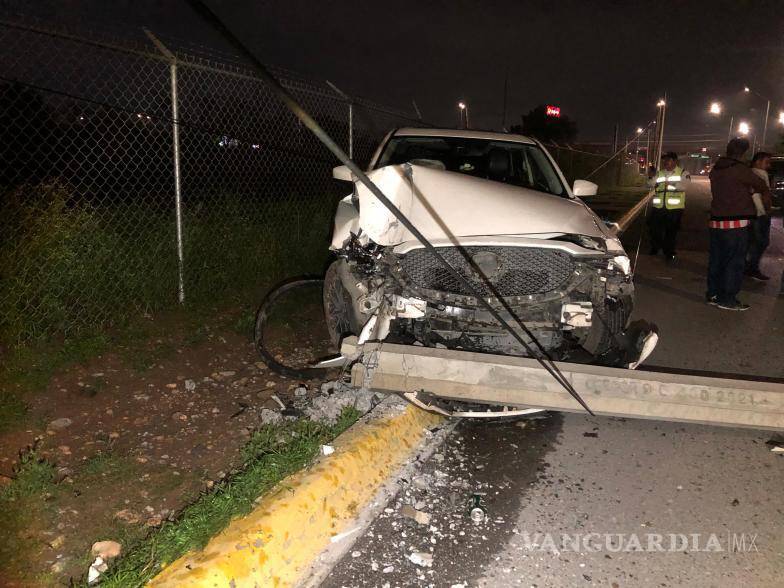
522	270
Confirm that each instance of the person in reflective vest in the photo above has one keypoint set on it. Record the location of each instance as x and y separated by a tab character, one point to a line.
669	200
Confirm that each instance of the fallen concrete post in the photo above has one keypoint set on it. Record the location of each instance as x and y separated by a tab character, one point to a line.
521	382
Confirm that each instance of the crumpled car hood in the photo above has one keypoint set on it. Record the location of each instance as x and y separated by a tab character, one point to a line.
449	205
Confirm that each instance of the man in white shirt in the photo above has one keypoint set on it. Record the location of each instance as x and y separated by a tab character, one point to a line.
759	228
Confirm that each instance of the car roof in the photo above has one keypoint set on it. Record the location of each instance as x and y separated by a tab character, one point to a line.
463	133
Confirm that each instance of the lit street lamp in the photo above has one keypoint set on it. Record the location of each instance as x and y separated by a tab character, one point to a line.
463	113
767	112
781	118
715	109
660	115
744	128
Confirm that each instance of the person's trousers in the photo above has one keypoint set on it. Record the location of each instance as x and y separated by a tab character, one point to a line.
727	261
759	239
663	226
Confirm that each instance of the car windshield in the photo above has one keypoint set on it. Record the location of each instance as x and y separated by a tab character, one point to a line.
518	164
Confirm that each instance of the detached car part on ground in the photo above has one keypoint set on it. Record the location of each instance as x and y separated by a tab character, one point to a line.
500	211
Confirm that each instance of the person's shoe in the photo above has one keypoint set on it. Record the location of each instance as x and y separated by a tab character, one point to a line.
757	275
736	305
712	300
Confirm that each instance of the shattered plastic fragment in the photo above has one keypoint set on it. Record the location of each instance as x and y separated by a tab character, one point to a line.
97	568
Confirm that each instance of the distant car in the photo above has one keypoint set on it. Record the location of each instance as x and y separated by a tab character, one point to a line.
491	203
777	180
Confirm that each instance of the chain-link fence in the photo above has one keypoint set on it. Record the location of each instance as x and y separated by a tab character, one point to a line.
109	208
621	171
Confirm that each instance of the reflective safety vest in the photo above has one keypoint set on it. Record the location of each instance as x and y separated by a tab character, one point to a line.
667	193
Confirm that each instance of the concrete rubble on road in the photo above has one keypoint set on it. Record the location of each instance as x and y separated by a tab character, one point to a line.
326	408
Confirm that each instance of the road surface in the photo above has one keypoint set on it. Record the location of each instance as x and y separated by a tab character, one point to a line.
574	500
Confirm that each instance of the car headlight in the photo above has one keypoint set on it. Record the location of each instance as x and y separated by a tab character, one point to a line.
621	263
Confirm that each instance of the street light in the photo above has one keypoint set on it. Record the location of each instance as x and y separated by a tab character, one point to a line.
661	102
744	128
767	112
463	113
715	109
639	130
781	118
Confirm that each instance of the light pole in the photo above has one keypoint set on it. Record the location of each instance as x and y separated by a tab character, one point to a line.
767	112
637	147
662	106
463	110
715	109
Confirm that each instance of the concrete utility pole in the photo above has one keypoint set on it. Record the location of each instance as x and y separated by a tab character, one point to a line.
662	104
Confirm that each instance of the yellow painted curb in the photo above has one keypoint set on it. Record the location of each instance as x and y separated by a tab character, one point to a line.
278	541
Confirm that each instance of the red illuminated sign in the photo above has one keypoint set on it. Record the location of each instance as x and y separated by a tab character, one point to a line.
554	111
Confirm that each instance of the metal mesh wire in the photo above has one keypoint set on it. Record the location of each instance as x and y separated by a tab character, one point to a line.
513	271
87	191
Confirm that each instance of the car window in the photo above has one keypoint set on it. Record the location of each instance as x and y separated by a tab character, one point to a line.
777	167
517	164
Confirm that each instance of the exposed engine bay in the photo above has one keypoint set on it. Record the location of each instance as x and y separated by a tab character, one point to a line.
573	305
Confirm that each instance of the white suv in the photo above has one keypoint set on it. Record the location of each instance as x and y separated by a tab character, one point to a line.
501	212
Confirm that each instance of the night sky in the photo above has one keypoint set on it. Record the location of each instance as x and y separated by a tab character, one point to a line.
602	62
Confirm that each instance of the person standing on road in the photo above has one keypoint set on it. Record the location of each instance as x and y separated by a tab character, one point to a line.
732	208
669	200
759	227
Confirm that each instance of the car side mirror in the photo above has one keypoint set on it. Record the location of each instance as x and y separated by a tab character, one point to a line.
584	188
342	173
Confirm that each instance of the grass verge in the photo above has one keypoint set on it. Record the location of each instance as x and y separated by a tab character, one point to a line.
273	452
23	503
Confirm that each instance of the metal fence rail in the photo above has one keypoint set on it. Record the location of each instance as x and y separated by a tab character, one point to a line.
136	174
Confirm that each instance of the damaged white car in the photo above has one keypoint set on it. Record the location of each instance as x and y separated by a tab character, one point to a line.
499	210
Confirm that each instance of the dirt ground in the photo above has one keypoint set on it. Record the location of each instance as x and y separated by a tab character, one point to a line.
137	433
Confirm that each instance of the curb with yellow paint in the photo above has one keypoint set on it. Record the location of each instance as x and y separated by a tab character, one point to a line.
279	540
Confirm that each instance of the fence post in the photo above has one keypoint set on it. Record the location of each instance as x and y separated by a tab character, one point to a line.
176	160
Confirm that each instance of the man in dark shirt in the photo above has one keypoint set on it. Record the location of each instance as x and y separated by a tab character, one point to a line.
732	209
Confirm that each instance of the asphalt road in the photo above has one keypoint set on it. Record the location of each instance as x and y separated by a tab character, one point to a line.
575	500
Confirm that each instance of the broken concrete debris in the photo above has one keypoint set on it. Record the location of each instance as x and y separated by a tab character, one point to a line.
327	408
424	560
410	512
268	416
